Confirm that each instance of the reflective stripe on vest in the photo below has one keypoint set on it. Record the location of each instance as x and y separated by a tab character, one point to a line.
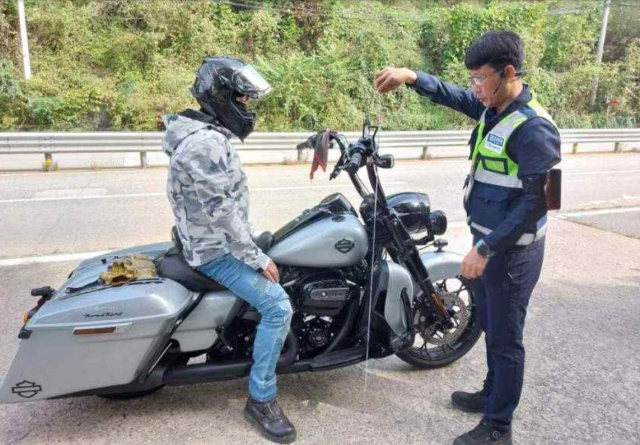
526	238
489	177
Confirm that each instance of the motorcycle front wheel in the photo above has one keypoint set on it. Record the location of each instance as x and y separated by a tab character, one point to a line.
434	347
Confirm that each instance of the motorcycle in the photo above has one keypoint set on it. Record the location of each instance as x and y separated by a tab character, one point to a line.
360	288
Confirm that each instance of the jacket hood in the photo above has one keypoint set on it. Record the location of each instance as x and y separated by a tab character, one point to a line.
178	127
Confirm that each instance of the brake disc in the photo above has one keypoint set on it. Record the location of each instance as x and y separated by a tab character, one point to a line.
433	333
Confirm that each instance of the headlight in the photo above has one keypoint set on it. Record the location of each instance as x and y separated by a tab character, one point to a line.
437	222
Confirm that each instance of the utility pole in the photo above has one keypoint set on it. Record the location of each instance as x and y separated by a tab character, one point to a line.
23	40
603	34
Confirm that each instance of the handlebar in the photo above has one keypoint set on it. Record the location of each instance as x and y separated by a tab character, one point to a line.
356	155
354	163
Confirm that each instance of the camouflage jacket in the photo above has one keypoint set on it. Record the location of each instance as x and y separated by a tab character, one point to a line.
208	192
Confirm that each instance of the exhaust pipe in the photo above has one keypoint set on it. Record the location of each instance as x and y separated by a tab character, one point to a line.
346	326
206	372
211	372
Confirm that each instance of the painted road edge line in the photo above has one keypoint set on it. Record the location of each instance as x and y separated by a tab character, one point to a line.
86	255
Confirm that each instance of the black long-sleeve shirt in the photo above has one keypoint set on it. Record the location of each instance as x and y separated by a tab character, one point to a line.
534	146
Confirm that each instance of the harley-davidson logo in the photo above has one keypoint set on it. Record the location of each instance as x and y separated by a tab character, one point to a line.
344	246
26	389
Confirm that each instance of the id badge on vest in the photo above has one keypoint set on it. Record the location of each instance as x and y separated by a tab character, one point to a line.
494	143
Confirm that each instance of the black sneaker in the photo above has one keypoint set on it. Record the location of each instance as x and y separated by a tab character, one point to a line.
470	402
484	434
269	419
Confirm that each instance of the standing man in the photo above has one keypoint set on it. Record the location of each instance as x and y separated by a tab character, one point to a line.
513	147
207	188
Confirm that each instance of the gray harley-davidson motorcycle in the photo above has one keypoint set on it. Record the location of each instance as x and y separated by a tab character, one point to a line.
363	285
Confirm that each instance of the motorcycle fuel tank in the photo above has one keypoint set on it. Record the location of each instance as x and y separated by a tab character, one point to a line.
334	241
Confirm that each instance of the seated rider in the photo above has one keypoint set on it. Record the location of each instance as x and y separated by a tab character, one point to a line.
208	191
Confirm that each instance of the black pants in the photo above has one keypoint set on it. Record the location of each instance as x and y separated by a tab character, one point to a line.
502	295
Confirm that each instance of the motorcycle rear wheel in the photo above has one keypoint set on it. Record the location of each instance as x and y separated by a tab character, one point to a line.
434	348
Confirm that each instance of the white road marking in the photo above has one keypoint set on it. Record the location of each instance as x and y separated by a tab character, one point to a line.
452	225
71	198
598	212
70	193
73	173
86	255
51	258
349	185
156	194
600	172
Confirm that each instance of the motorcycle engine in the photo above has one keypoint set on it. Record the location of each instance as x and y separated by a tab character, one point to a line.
320	298
317	333
322	295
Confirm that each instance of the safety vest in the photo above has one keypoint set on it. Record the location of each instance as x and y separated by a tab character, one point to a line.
494	175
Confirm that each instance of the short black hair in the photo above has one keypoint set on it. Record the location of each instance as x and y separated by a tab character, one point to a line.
496	49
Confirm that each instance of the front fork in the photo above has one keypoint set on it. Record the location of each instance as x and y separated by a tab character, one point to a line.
404	252
408	340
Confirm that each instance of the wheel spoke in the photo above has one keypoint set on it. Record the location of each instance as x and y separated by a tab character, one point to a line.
438	345
445	346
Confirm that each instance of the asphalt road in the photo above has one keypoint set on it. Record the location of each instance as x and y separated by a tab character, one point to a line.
582	335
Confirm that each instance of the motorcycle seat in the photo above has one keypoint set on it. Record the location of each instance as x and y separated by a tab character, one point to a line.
175	267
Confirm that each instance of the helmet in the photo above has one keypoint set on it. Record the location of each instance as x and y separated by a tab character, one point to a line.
219	81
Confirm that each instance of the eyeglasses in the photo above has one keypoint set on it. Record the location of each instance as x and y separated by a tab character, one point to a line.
479	79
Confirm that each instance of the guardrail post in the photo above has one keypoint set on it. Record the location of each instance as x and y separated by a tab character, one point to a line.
617	148
48	161
574	150
425	153
144	163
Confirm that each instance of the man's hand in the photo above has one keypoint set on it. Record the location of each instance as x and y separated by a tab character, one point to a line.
390	79
473	265
271	272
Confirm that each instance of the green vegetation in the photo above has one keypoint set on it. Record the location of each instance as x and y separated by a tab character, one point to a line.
121	64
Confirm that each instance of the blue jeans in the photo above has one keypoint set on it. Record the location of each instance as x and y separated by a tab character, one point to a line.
272	302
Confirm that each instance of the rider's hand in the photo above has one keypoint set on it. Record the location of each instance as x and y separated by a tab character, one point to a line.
473	265
271	272
390	79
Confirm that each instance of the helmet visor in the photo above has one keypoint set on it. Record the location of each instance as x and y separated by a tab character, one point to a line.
249	81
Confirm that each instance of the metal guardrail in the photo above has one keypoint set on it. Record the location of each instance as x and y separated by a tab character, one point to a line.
143	143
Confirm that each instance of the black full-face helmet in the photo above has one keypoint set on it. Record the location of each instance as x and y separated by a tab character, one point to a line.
219	82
